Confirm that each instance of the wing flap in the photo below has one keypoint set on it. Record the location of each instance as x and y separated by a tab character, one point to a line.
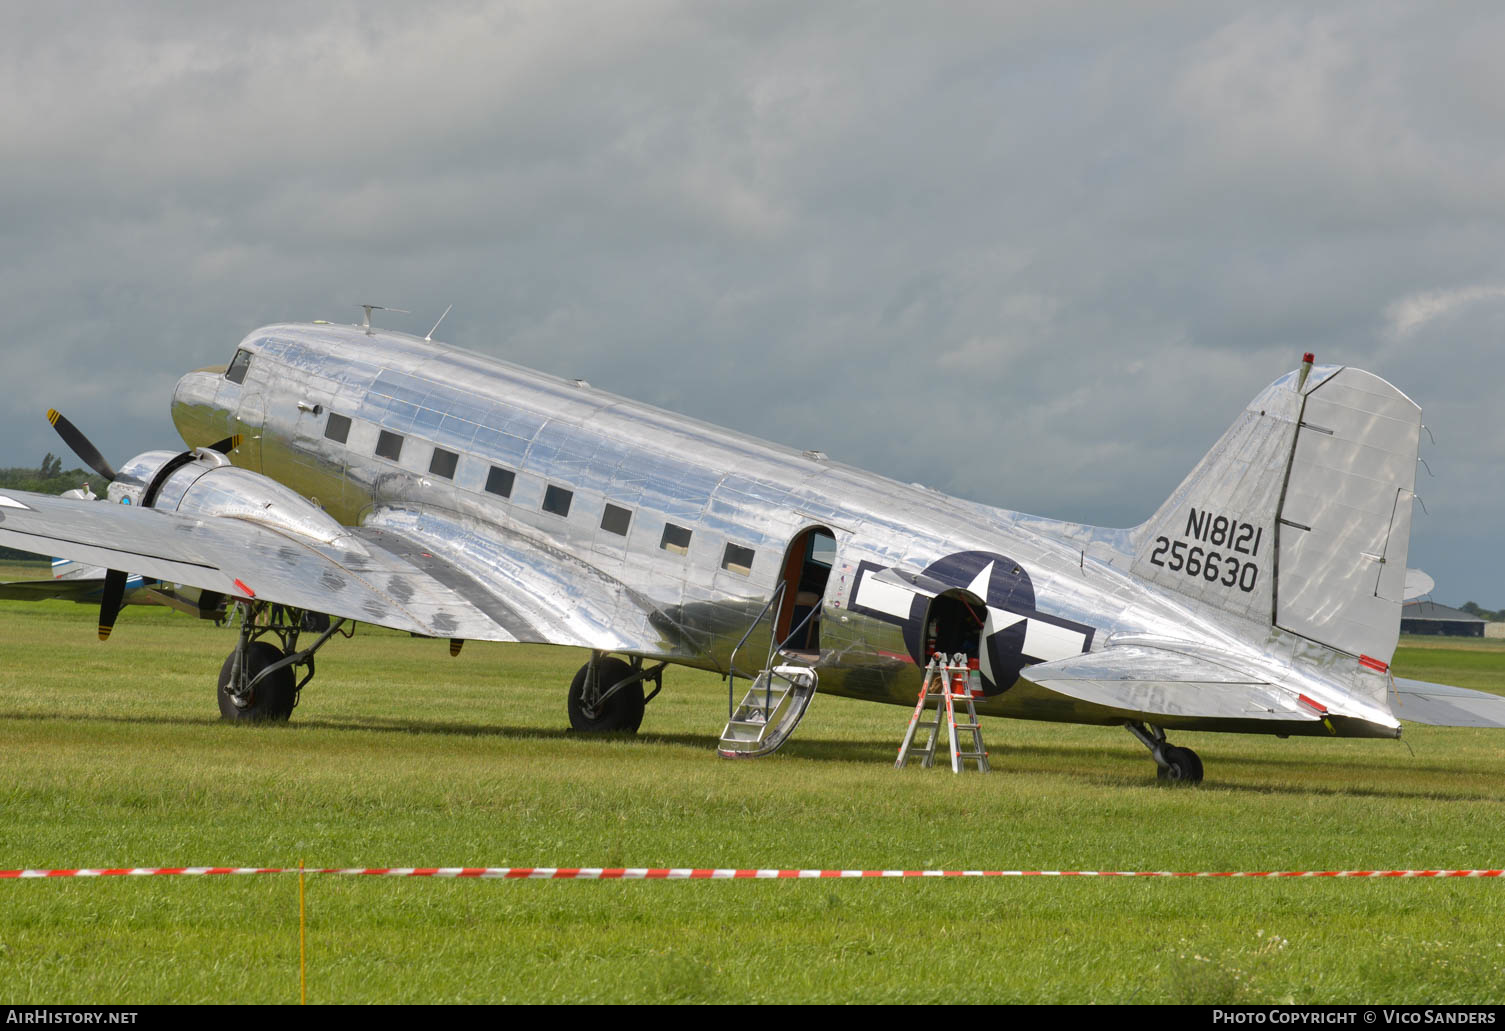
1157	682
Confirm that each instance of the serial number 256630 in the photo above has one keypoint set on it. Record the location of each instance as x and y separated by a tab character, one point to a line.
1210	565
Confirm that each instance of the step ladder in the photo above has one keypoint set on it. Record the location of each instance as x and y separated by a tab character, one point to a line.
768	713
946	684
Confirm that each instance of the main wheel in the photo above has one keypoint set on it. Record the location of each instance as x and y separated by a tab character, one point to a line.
1182	766
622	711
271	700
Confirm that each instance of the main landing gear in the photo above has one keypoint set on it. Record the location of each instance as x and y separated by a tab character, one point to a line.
1175	764
607	693
258	681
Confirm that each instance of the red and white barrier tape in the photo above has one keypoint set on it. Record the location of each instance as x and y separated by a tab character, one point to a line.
564	873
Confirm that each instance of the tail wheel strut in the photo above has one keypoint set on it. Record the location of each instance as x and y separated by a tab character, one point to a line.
1174	764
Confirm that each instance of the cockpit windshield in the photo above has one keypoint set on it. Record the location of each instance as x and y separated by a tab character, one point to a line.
236	373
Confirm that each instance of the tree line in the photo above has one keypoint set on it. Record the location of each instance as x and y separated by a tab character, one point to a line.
1489	617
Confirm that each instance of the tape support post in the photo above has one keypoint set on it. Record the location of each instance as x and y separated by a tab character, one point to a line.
566	873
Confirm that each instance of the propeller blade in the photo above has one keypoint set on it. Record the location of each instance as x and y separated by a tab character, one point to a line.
109	602
227	445
80	444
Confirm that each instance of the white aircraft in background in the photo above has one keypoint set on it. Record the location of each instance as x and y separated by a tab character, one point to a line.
339	473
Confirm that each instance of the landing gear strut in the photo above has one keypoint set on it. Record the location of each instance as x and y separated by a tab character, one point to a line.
257	681
607	693
1175	764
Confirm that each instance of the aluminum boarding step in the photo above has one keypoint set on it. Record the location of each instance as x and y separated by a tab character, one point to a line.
768	713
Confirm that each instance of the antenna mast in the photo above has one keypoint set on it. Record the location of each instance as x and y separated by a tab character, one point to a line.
430	337
366	323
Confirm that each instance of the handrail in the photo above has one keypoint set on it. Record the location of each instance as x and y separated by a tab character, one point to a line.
774	647
731	664
795	632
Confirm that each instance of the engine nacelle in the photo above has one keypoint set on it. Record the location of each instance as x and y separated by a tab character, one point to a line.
139	472
229	492
209	486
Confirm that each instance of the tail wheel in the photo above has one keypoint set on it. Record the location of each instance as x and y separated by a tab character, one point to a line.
1181	765
270	700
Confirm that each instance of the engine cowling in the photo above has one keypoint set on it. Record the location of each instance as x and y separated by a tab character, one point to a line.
229	492
209	486
130	485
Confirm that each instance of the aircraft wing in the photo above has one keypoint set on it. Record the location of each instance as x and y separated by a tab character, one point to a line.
408	569
537	592
1443	706
1157	682
349	576
42	590
83	589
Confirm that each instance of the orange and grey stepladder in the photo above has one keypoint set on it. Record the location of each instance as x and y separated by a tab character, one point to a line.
946	684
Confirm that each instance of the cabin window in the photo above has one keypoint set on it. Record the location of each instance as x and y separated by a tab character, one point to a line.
675	539
616	520
236	373
443	463
737	559
337	428
557	500
389	445
499	482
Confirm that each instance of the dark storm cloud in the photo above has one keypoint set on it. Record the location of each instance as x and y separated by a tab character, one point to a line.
1038	255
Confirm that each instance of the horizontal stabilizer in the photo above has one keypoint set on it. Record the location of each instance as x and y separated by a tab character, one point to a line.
1154	682
1443	706
1417	584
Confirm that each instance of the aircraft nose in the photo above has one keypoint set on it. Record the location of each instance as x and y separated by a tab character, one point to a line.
197	411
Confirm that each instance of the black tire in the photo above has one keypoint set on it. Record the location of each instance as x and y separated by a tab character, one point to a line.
623	711
1183	766
271	700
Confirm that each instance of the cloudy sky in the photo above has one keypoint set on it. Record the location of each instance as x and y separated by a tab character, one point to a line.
1037	254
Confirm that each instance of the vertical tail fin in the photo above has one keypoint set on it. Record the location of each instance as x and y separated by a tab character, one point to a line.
1300	516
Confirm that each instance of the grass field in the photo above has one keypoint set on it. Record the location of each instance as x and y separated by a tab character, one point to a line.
113	755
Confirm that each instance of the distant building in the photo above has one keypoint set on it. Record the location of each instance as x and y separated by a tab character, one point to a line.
1426	617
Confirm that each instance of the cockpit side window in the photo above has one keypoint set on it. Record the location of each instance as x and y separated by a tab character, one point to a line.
236	373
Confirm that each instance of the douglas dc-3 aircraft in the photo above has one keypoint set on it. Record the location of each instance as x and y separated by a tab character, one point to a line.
342	473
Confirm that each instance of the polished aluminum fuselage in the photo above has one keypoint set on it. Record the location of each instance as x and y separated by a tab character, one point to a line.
725	487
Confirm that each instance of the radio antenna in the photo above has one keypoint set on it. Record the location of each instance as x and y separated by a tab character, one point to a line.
430	337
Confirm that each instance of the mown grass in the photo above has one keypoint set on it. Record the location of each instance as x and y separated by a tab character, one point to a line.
112	755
